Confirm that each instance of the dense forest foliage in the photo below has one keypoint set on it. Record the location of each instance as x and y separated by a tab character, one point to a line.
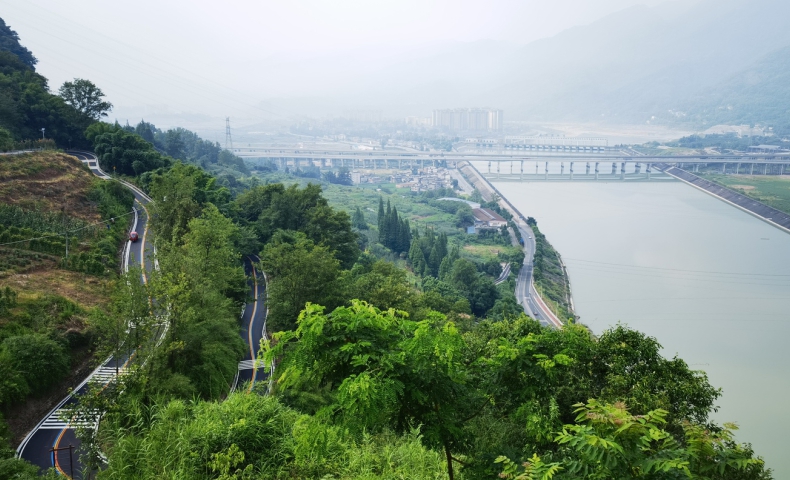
27	106
728	141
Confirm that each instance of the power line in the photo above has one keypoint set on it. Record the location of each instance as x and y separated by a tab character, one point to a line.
168	77
68	231
676	269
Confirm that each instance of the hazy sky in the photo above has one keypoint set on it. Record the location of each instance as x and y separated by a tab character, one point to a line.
202	56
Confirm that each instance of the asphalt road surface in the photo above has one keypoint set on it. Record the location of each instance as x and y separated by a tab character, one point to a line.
253	322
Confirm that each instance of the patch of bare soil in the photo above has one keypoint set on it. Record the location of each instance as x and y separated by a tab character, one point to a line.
86	290
48	181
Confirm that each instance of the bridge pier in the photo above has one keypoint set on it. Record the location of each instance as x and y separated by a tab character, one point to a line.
511	168
522	170
571	170
489	166
497	169
614	168
638	167
587	172
547	170
737	168
596	170
647	170
751	171
622	171
723	168
537	166
562	168
765	169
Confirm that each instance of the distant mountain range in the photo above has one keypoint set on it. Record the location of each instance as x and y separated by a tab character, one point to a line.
715	61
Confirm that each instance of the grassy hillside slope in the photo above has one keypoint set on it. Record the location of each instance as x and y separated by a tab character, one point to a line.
48	181
46	300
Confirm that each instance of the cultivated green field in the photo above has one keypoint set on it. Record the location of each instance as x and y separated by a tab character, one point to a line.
773	191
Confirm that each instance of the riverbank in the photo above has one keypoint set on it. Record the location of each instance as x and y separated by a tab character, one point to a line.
546	277
773	191
773	216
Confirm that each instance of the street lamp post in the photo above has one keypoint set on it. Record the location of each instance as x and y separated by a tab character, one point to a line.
42	134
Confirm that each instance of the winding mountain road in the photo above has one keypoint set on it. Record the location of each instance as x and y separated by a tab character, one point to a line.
253	322
47	445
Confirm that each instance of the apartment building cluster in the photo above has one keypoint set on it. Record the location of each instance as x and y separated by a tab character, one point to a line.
468	119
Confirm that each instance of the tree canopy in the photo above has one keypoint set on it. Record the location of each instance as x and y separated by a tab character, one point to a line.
85	97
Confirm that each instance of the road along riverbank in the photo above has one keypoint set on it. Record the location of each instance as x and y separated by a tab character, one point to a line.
527	293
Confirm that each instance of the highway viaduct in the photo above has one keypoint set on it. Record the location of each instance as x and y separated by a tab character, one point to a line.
511	166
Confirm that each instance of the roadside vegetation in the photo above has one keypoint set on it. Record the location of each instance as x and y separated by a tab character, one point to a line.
551	279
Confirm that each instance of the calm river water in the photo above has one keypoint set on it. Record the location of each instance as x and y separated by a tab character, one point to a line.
710	282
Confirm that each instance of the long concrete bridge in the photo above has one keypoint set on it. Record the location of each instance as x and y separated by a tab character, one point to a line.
513	164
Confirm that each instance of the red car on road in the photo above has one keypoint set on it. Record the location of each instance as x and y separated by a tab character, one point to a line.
133	237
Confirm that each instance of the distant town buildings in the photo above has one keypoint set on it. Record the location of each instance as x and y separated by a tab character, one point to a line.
468	119
418	121
425	179
557	141
422	180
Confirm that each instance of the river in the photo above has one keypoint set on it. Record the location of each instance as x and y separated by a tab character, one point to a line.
710	282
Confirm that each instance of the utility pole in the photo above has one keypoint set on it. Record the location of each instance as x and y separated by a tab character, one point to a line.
65	229
228	139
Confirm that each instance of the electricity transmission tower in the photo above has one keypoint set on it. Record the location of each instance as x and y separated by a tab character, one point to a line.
228	139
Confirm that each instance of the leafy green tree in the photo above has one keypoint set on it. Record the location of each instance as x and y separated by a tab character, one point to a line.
464	217
85	97
384	286
358	220
175	145
381	216
608	442
255	436
7	300
9	42
27	106
394	231
6	140
40	360
383	370
123	152
179	195
145	131
10	466
299	272
636	373
204	285
13	385
269	208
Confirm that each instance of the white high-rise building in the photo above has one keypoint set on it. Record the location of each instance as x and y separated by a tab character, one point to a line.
468	119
